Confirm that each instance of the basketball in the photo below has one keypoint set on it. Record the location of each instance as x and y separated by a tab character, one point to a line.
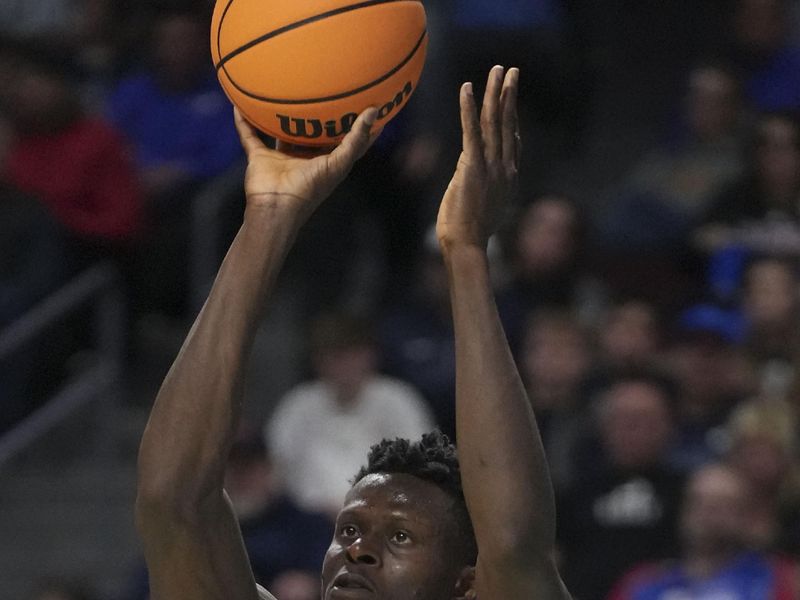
302	71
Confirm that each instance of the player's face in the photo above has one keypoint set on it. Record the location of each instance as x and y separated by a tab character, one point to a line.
394	540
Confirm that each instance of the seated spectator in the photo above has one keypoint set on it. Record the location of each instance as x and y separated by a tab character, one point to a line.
545	253
285	544
629	338
716	561
713	375
760	210
624	507
555	359
91	32
764	51
770	307
683	176
77	165
104	44
176	91
763	450
321	429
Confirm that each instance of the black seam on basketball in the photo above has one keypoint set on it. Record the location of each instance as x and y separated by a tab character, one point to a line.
295	25
219	31
358	90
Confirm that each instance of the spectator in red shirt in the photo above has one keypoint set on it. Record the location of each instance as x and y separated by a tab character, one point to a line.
76	164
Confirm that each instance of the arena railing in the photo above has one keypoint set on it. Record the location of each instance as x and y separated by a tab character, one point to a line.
96	287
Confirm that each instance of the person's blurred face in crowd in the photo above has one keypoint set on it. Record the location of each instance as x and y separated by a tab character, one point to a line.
763	444
546	238
770	298
636	424
761	25
35	98
714	519
761	460
710	371
556	358
250	483
180	48
347	368
712	103
778	157
630	336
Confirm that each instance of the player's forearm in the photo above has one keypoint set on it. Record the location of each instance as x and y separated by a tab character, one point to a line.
505	475
197	410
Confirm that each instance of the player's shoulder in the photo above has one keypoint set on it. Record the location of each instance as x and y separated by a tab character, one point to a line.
264	594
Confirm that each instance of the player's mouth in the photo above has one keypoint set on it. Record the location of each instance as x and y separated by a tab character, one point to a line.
351	585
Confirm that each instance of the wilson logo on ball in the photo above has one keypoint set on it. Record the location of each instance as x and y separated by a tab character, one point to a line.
314	128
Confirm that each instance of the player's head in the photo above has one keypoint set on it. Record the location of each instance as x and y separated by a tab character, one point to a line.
404	531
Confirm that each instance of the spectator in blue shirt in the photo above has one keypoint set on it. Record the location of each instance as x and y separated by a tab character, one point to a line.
176	93
181	128
765	52
717	561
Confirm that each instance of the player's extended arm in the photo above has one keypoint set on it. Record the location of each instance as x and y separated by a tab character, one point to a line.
504	472
191	539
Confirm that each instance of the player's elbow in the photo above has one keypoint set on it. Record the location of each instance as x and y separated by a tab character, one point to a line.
155	503
158	509
160	497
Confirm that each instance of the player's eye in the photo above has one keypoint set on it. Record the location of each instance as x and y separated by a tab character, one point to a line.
401	537
348	530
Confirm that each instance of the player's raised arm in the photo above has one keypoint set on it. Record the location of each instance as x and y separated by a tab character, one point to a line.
504	472
191	539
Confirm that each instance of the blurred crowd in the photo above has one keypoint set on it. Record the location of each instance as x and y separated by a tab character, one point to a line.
647	278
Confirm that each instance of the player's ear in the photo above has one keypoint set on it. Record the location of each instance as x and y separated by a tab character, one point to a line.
465	585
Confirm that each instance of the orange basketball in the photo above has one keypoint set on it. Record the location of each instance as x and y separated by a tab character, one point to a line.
302	70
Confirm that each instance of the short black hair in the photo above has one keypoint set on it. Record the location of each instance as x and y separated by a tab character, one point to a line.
433	459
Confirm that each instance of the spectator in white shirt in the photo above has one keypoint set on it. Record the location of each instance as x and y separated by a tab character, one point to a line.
322	429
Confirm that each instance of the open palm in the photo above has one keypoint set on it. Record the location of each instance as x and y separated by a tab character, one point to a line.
486	176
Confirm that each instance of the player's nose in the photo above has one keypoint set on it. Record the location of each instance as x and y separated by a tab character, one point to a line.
362	552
